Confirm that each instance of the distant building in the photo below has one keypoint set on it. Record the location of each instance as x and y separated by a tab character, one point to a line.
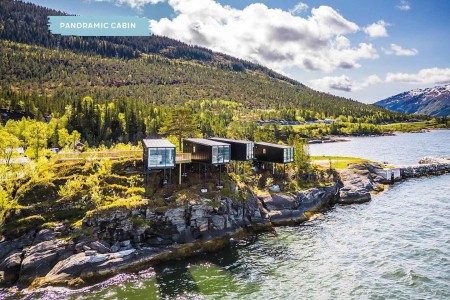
240	150
274	153
207	151
79	145
391	174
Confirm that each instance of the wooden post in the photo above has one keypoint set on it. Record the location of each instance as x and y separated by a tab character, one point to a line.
179	174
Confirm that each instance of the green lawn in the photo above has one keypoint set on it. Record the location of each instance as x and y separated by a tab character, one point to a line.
337	162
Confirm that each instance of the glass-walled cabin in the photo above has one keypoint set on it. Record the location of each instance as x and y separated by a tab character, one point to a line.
240	150
159	154
207	151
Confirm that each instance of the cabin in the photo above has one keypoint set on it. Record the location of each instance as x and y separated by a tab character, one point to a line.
273	153
207	151
158	154
240	150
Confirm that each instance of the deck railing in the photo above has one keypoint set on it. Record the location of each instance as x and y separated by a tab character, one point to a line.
96	155
182	158
120	154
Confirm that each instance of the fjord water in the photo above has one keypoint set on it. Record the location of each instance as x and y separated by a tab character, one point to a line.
405	148
395	247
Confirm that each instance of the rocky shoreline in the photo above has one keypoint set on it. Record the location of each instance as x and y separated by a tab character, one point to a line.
121	239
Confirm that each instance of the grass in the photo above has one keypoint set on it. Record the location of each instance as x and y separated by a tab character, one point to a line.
415	126
337	162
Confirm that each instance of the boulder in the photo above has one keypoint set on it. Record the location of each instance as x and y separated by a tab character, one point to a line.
44	235
177	217
91	265
10	268
41	258
100	246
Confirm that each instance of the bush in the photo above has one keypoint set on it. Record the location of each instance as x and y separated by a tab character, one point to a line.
36	191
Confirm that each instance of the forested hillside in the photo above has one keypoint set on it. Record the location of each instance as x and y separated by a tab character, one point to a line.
177	73
121	89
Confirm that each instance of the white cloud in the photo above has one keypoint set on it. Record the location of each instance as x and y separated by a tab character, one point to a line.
403	5
424	76
299	8
272	37
135	4
343	83
399	51
377	29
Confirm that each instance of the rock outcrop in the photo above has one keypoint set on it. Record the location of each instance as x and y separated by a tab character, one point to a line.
121	238
359	180
39	259
427	166
284	209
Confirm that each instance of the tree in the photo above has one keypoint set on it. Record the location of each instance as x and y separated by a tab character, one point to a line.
8	143
36	137
180	123
301	155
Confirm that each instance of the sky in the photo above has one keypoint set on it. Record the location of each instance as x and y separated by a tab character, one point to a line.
366	50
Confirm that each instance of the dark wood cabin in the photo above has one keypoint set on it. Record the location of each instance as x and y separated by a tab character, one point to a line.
158	154
207	151
274	153
240	150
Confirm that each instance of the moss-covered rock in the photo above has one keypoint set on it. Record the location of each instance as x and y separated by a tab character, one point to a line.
36	191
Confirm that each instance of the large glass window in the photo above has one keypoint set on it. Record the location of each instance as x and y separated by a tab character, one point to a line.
288	155
249	151
226	154
220	154
215	155
161	157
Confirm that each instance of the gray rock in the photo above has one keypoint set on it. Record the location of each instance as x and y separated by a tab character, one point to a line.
125	243
79	247
10	268
41	258
115	247
100	246
218	222
88	266
44	235
177	217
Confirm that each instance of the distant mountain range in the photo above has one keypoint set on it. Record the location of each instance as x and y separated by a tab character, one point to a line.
431	101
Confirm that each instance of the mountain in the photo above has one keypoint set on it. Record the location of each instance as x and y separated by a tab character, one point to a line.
431	101
41	74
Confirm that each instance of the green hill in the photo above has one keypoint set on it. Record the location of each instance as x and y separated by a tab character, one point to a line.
135	81
155	69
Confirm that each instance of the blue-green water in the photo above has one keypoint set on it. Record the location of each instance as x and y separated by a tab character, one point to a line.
395	247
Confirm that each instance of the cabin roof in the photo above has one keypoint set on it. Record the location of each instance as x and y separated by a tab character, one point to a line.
157	143
273	145
206	142
230	140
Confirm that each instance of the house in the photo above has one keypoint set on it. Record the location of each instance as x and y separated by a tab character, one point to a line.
158	154
240	150
79	145
273	153
207	151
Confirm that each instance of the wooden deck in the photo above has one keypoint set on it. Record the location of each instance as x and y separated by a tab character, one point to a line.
181	158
